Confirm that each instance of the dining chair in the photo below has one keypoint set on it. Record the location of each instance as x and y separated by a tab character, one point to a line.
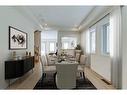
47	69
50	59
81	66
78	55
66	75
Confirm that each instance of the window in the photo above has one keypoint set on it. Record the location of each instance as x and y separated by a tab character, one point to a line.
52	47
50	39
69	42
92	40
105	38
65	45
43	48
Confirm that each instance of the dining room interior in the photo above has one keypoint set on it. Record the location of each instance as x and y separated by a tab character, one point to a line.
63	47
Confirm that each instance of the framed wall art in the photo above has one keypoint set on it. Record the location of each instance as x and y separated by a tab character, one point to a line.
17	39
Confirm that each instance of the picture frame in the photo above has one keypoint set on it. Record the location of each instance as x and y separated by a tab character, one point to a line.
17	39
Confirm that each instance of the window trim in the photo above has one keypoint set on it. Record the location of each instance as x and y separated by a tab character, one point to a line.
102	40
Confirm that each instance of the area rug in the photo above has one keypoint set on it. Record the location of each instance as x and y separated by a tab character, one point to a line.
48	83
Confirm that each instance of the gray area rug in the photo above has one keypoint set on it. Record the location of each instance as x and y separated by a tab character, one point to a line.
48	82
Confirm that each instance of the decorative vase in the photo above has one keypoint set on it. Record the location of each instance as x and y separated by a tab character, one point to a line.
29	54
14	55
26	54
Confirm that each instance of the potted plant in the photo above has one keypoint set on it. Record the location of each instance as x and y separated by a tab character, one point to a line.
78	52
78	47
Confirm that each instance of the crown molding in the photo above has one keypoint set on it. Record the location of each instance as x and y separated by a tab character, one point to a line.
94	16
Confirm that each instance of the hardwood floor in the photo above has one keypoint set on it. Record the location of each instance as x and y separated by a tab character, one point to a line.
96	79
29	80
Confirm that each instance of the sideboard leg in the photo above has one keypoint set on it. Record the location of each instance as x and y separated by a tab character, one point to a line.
9	83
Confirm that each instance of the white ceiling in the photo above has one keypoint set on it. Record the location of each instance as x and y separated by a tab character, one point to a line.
60	17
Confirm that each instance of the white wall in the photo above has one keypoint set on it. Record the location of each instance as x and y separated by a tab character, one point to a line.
9	16
99	63
83	41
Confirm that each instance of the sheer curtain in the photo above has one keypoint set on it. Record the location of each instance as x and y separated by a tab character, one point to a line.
88	47
115	46
88	42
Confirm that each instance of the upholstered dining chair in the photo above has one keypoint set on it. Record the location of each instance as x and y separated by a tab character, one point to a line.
78	55
66	75
50	59
81	66
47	69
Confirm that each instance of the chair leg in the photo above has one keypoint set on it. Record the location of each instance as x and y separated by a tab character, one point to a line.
55	78
80	74
83	75
44	75
55	74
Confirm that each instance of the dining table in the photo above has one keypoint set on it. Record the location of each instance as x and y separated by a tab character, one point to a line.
60	59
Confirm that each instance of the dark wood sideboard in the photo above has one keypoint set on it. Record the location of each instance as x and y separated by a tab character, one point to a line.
17	68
